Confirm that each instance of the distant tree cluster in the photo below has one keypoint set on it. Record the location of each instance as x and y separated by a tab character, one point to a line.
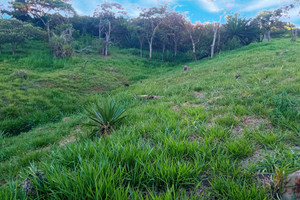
14	32
158	28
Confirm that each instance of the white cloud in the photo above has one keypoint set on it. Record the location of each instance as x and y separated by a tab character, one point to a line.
209	5
215	6
256	5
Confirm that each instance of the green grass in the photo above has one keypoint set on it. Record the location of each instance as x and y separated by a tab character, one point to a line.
209	136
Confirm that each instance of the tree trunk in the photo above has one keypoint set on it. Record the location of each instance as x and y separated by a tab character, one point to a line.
47	24
175	48
194	51
107	39
141	49
13	48
151	40
48	31
267	36
100	31
194	46
219	41
294	35
163	51
150	48
212	51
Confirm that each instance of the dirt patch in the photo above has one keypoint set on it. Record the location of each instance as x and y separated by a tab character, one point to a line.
250	122
199	95
77	129
187	104
194	137
98	88
237	131
265	179
176	108
66	119
257	155
254	123
67	140
289	79
202	190
70	77
112	70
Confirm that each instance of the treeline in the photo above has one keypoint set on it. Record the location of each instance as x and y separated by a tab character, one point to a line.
158	28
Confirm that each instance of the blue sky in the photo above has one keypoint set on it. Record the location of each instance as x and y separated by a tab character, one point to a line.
197	10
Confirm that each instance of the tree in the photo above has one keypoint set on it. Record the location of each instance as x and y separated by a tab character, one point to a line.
62	44
267	20
40	9
108	14
194	33
286	12
245	30
163	39
14	31
216	26
292	27
152	17
138	27
175	24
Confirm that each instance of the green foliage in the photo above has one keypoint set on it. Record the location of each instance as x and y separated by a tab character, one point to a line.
285	109
240	148
233	43
61	46
227	121
242	31
16	32
105	116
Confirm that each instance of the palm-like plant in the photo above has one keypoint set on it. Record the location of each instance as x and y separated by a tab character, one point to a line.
105	116
246	30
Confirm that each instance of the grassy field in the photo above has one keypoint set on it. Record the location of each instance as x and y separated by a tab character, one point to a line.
210	136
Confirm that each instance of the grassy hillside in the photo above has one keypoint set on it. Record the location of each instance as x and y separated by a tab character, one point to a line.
38	89
210	136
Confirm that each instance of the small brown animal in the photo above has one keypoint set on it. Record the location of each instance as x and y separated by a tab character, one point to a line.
186	68
126	85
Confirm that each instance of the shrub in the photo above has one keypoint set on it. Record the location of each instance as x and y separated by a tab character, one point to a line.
106	116
61	46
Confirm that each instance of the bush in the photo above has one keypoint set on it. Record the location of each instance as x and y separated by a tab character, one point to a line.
61	47
234	43
105	117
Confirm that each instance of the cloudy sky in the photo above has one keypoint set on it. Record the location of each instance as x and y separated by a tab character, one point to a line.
197	10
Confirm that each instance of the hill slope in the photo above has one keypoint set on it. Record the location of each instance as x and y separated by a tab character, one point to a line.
211	135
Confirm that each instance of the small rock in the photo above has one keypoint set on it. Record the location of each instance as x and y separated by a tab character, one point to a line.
292	187
28	185
66	119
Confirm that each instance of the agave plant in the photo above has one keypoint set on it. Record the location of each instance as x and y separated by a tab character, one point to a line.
106	116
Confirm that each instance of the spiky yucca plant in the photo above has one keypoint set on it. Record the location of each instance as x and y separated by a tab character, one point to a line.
105	116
